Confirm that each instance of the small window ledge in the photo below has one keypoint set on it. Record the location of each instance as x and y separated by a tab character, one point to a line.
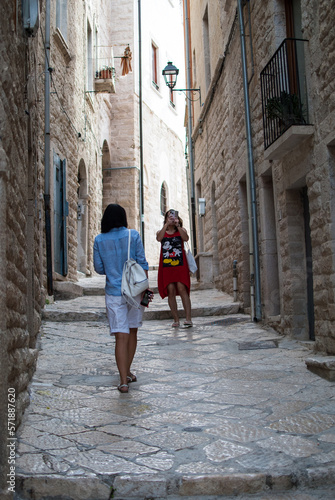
155	85
289	141
62	45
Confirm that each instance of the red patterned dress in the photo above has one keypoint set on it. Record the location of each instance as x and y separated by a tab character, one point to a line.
173	265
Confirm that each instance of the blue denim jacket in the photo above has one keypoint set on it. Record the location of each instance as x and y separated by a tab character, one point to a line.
110	251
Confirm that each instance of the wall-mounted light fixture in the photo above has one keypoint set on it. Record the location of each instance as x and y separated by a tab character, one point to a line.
170	73
202	206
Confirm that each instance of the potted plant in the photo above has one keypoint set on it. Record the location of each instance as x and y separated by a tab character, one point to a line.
286	108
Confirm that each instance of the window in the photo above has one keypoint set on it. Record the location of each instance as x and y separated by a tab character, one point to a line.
163	198
205	27
61	17
89	76
154	67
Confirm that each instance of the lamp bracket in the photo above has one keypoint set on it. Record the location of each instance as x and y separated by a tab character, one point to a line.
189	90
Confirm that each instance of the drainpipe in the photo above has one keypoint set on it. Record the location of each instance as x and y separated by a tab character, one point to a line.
141	119
189	128
47	206
251	186
235	290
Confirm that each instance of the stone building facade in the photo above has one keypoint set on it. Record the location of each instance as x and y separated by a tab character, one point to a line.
163	129
69	145
20	257
274	159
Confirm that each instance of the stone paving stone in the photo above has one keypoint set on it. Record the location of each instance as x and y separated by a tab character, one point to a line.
224	450
312	423
204	417
295	446
161	461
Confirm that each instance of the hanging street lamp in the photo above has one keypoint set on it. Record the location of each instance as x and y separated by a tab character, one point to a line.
170	73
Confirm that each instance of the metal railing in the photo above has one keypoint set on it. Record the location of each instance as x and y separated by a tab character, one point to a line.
284	95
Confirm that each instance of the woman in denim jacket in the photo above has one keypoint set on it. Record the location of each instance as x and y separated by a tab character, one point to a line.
110	251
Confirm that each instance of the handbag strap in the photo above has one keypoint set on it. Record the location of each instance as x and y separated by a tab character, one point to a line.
129	244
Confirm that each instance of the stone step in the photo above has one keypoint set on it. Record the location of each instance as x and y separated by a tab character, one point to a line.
99	314
90	306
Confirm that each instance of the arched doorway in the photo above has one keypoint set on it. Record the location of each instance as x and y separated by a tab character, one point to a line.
82	218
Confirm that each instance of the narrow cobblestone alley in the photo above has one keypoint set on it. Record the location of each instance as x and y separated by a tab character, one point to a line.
226	408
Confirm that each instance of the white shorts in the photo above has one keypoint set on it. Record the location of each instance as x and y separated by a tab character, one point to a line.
121	316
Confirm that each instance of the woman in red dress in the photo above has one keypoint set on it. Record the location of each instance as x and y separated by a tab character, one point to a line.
173	271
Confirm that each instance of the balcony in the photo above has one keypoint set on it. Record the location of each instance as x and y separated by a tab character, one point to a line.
284	100
105	80
104	70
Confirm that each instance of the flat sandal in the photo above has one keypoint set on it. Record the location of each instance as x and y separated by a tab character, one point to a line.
131	378
123	388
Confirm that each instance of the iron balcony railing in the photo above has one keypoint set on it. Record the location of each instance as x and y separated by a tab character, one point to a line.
283	86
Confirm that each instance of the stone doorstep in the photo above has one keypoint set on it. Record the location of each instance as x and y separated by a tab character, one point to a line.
91	487
66	290
323	366
225	309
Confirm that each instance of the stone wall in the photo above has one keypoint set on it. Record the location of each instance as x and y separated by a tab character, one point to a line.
79	125
20	257
163	148
294	191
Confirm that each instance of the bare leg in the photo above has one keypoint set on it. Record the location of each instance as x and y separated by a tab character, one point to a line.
171	289
185	298
121	355
131	347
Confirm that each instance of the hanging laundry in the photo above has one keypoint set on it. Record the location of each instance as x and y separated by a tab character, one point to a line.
126	61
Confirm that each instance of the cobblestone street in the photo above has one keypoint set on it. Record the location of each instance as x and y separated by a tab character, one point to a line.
226	408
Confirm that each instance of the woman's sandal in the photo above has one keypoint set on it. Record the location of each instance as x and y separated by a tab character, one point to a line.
123	388
175	324
188	324
131	378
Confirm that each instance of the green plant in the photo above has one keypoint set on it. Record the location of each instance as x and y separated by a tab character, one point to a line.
287	108
113	490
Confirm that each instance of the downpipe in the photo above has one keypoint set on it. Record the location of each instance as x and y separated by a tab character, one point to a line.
189	124
235	280
47	207
256	312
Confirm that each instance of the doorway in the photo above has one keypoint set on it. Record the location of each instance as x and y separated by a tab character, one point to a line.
298	278
60	215
82	219
309	265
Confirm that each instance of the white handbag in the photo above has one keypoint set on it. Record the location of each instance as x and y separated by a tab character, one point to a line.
134	280
190	259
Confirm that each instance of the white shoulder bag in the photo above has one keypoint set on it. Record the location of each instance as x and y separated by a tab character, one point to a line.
190	259
134	280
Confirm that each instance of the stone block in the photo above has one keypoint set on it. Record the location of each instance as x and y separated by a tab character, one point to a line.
223	485
324	366
139	487
66	290
88	487
205	267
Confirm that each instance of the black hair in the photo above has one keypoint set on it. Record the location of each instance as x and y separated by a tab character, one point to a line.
114	216
167	215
